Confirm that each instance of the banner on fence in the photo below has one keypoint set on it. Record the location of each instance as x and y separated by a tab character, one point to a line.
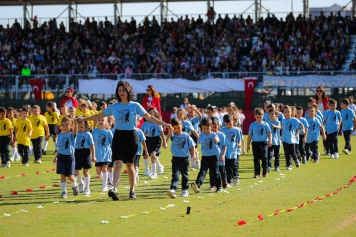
310	81
36	85
177	85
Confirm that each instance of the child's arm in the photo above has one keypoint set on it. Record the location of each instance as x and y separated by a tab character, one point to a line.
164	140
354	124
30	133
11	136
276	126
223	154
170	132
195	134
75	127
269	139
243	147
322	129
249	138
303	128
47	131
305	135
198	112
192	152
145	149
92	150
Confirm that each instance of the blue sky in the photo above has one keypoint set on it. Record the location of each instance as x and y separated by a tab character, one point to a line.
178	8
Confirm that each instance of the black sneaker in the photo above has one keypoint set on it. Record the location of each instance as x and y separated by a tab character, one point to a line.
132	195
114	195
43	152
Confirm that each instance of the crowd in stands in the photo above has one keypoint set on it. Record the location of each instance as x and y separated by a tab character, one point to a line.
185	47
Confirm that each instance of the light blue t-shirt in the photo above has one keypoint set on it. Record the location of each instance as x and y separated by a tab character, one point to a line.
314	129
305	123
348	117
233	136
187	127
208	146
332	121
125	114
152	129
222	143
318	113
259	131
102	141
195	122
265	117
280	116
66	143
276	135
140	138
289	130
181	143
83	140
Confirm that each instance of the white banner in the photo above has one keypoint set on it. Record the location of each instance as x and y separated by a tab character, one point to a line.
310	81
176	85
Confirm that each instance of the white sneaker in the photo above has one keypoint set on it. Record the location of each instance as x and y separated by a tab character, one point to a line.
104	189
81	188
137	179
228	185
86	191
197	163
192	169
185	193
332	156
110	186
8	165
17	159
336	155
26	164
289	167
153	176
160	169
38	161
12	159
236	181
172	193
146	173
346	151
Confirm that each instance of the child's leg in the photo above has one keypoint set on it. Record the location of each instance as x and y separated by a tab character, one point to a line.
307	150
263	158
347	137
184	163
117	173
176	168
228	168
301	146
276	150
223	173
20	150
204	166
98	170
153	160
131	173
326	144
270	154
147	169
55	143
211	178
45	144
14	151
110	173
5	151
214	166
256	158
287	154
335	142
235	167
104	181
160	167
86	178
63	183
314	149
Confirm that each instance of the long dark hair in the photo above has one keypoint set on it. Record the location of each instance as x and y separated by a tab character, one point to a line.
323	91
128	89
152	88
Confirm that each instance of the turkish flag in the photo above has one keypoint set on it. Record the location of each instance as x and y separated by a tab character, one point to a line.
250	84
36	85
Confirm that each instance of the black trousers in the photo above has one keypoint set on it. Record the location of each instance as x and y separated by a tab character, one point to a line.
347	137
222	173
259	150
326	143
312	147
289	152
211	163
4	149
273	151
24	152
301	145
36	144
180	166
232	168
333	143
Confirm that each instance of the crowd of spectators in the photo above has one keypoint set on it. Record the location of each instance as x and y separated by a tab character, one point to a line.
185	47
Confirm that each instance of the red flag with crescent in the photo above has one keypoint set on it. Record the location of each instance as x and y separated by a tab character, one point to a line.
250	84
36	85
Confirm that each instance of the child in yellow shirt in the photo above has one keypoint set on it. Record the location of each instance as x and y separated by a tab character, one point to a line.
85	112
12	117
6	138
39	126
23	135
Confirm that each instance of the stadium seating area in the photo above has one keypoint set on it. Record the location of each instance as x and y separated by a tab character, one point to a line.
184	47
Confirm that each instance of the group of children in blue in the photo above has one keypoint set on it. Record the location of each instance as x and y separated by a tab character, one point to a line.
79	144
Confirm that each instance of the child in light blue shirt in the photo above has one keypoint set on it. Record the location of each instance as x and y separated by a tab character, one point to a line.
274	150
348	124
332	121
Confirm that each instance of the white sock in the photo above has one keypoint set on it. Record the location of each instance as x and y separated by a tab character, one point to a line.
86	182
64	187
55	145
145	161
104	180
17	154
45	145
153	171
111	177
157	162
80	180
14	151
74	183
136	172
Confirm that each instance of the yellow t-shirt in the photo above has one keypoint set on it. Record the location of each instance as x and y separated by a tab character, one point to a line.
51	118
5	126
38	124
23	128
60	119
87	114
14	123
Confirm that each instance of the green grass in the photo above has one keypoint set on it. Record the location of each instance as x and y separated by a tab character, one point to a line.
211	215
